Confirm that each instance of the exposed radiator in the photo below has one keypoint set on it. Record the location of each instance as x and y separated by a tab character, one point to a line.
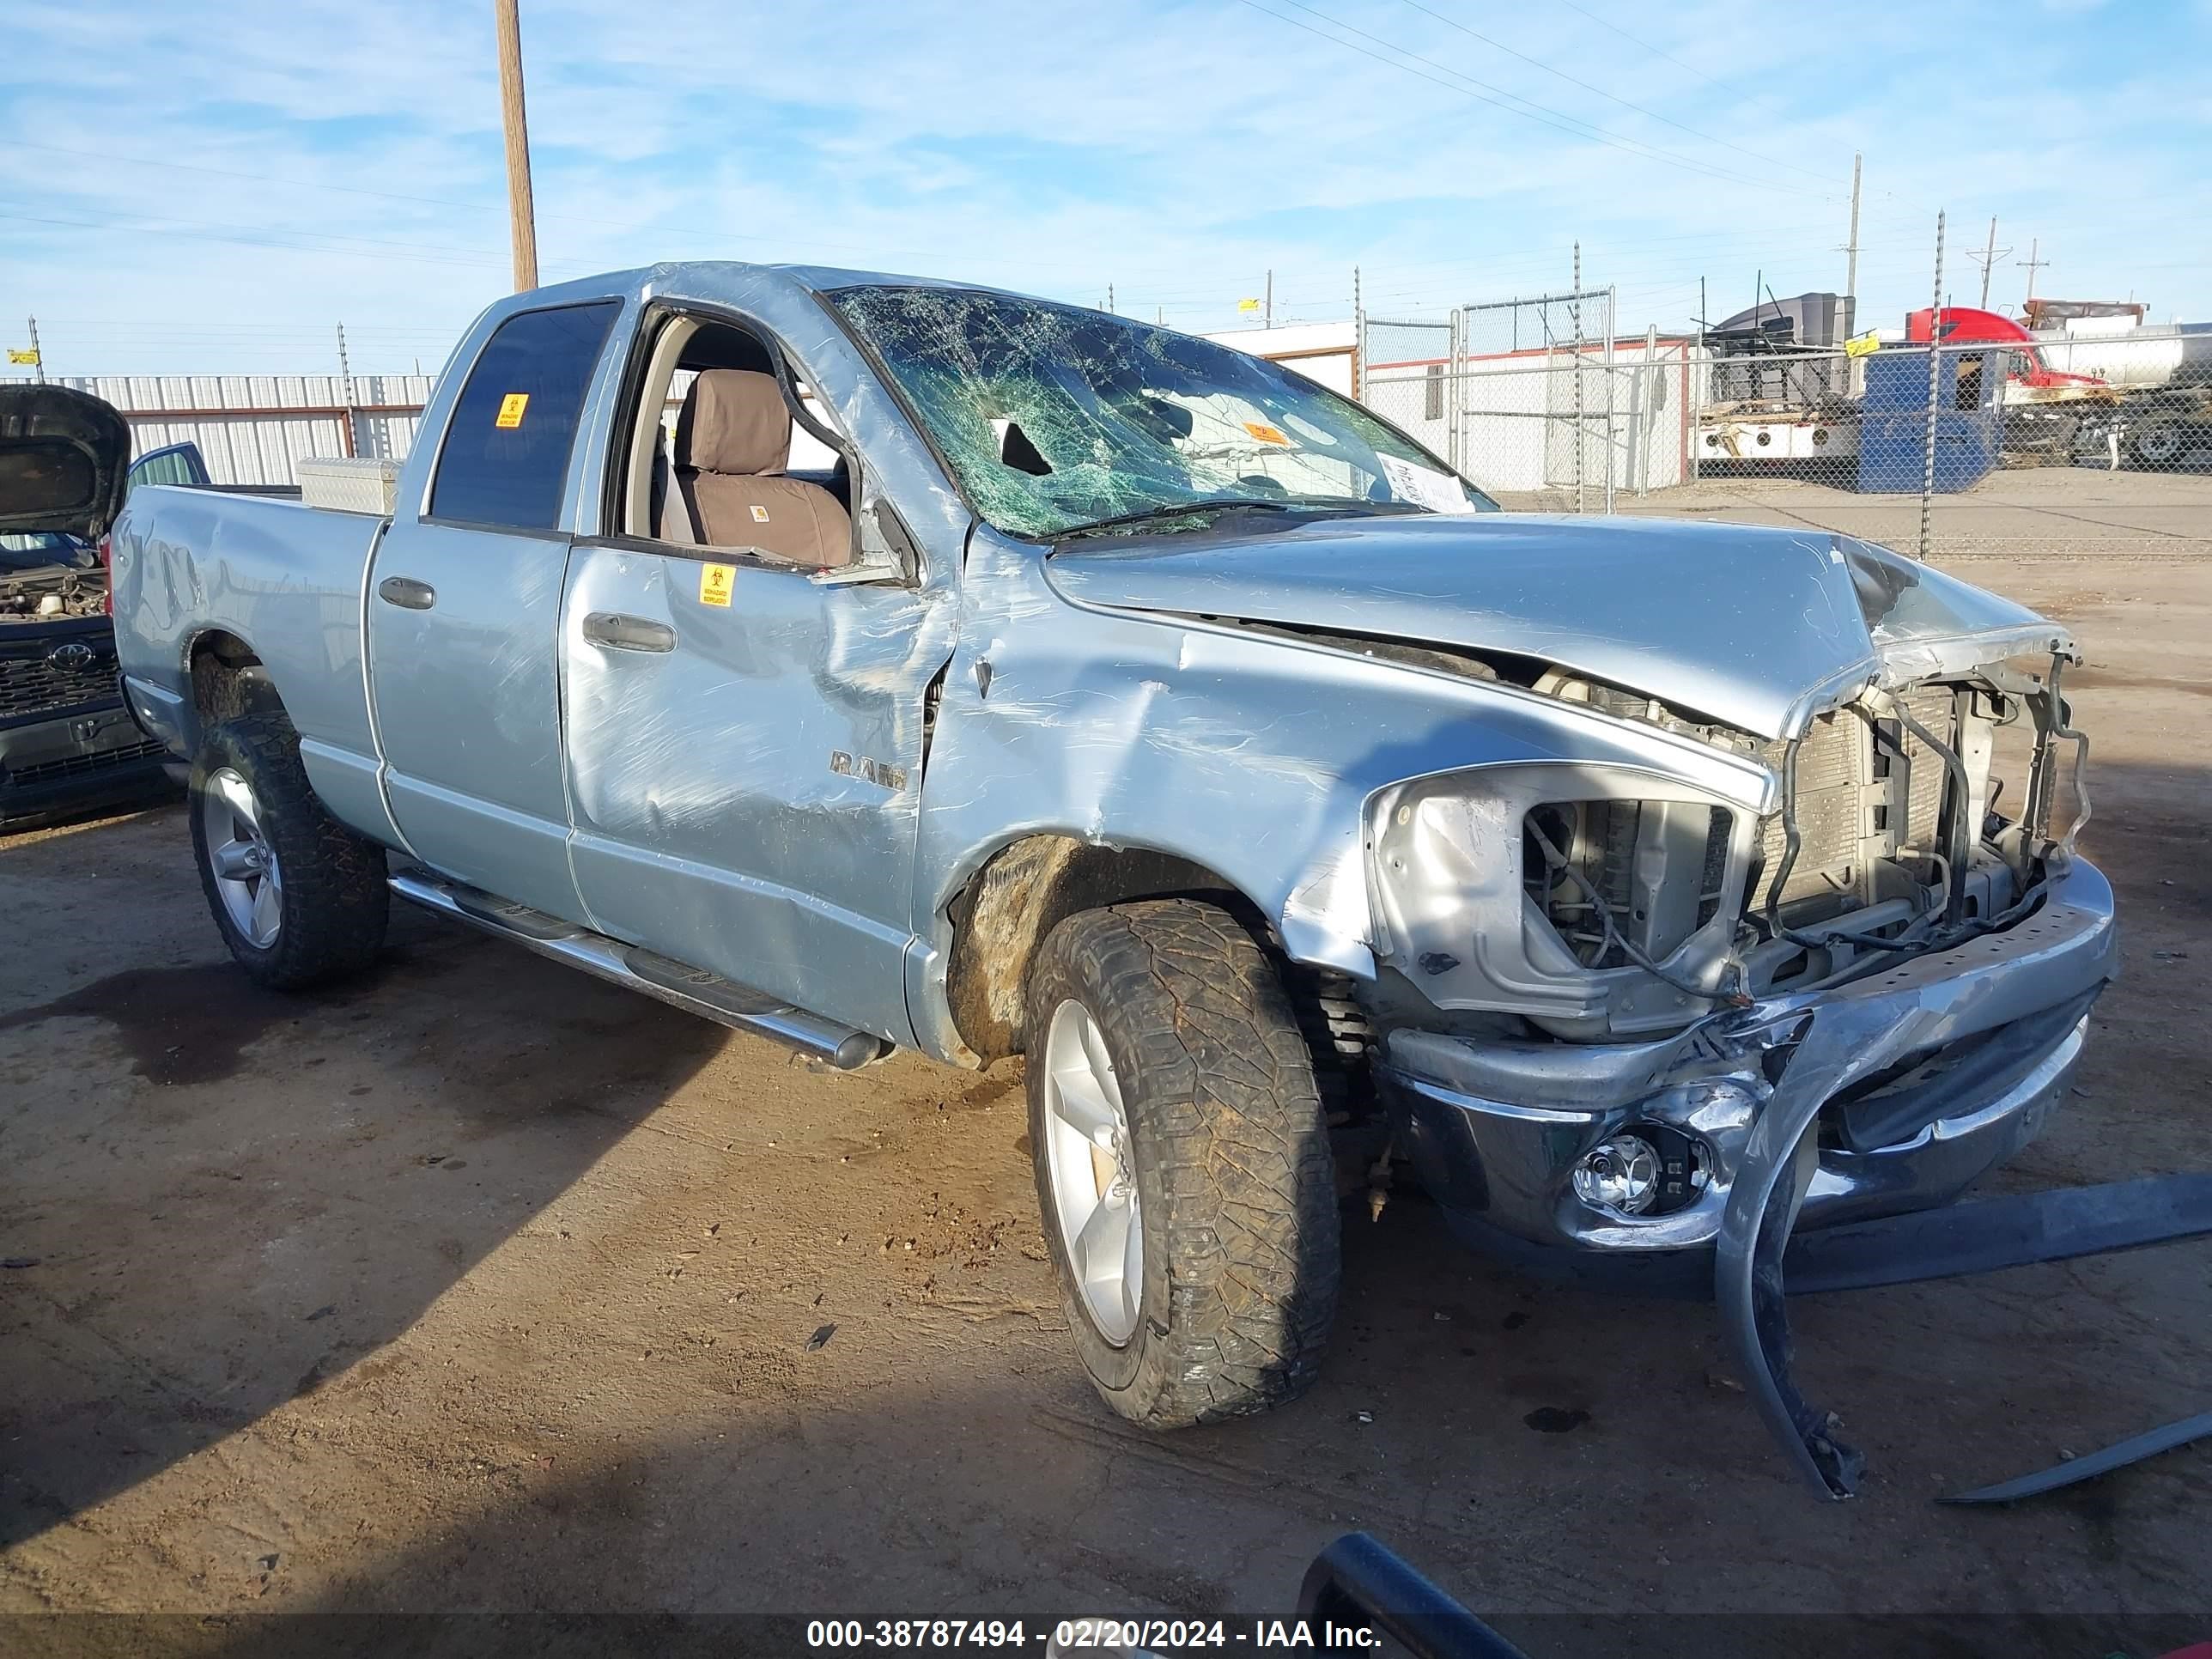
1852	806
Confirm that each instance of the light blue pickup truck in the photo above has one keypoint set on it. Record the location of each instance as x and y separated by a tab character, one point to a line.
1090	692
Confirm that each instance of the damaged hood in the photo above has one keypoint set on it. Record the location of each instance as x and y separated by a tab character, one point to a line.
1757	628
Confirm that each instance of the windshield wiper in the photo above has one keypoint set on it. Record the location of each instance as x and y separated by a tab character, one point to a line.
1241	503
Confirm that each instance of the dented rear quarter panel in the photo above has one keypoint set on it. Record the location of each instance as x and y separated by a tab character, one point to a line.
285	579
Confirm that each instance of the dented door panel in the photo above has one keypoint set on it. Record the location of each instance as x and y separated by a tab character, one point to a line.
746	800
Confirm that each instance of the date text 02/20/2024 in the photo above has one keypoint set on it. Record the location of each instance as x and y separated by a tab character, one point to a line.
1073	1635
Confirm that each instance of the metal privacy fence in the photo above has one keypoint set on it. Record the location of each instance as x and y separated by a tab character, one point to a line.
255	429
2068	448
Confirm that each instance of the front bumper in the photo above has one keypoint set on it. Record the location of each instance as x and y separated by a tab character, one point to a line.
1956	1060
83	757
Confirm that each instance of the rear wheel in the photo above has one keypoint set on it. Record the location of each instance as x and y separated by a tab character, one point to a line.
298	897
1183	1166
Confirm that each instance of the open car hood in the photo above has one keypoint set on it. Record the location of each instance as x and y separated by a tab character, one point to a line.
64	456
1757	628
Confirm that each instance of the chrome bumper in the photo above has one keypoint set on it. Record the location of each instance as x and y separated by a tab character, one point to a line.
1498	1129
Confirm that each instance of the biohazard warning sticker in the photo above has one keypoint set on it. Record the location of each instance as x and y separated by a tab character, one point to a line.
1267	434
510	410
714	583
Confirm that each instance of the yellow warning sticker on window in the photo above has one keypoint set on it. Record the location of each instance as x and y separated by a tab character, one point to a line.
510	410
760	514
715	581
1266	435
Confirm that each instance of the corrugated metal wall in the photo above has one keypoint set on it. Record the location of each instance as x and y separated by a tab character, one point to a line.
252	429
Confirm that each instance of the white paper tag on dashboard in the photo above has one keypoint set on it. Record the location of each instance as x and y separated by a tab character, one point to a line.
1425	487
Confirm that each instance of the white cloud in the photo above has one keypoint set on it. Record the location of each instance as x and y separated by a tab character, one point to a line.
1177	151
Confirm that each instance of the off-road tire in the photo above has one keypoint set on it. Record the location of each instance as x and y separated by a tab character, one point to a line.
1233	1170
336	903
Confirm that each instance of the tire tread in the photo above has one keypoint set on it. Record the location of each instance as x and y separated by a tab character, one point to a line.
1223	1094
336	899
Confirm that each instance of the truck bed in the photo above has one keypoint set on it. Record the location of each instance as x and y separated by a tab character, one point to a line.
285	580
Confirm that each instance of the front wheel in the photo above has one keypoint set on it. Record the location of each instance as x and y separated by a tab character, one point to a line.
1182	1163
298	897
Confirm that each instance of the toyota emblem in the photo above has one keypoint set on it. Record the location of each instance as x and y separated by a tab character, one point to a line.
74	655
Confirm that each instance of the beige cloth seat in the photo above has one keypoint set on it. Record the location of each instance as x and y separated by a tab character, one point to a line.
732	441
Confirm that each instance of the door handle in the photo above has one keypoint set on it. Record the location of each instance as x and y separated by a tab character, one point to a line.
622	633
407	594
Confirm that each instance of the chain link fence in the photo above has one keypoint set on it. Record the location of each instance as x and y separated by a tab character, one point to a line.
2074	445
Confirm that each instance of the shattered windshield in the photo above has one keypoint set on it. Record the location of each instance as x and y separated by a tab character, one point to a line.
1055	418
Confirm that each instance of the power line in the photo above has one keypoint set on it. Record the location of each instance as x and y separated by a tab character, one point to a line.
620	227
1543	115
1637	40
1499	45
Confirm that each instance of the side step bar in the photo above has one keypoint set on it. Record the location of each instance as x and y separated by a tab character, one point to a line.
692	989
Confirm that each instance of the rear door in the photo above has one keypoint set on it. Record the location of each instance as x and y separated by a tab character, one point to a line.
464	609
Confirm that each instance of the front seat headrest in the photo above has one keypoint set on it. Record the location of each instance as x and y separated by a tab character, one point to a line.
734	421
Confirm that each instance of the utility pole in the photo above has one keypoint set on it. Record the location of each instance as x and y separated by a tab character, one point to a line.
1271	299
1935	385
1851	247
1575	315
1358	334
1987	259
521	216
38	358
345	379
1110	296
2030	265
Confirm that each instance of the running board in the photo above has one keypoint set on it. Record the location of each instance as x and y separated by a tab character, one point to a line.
692	989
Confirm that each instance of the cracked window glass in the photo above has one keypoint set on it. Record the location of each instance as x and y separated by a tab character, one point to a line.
1055	419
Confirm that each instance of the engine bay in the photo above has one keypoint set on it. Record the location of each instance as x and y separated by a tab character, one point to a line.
1642	909
45	575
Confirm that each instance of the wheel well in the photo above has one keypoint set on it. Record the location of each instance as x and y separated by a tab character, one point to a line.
227	680
1024	891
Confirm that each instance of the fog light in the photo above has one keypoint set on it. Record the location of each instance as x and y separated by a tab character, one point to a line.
1622	1174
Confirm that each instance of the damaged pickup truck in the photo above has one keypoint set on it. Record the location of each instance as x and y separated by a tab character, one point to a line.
1109	697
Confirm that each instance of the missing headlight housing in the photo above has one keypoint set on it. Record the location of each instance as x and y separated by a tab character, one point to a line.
1660	867
1456	872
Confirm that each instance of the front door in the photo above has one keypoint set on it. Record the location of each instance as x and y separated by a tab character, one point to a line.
464	619
744	748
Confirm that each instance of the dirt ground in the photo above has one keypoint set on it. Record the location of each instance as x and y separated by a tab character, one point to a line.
484	1287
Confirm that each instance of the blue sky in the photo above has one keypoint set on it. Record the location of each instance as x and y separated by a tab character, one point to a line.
203	188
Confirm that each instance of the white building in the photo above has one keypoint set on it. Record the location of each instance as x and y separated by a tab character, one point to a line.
1325	352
